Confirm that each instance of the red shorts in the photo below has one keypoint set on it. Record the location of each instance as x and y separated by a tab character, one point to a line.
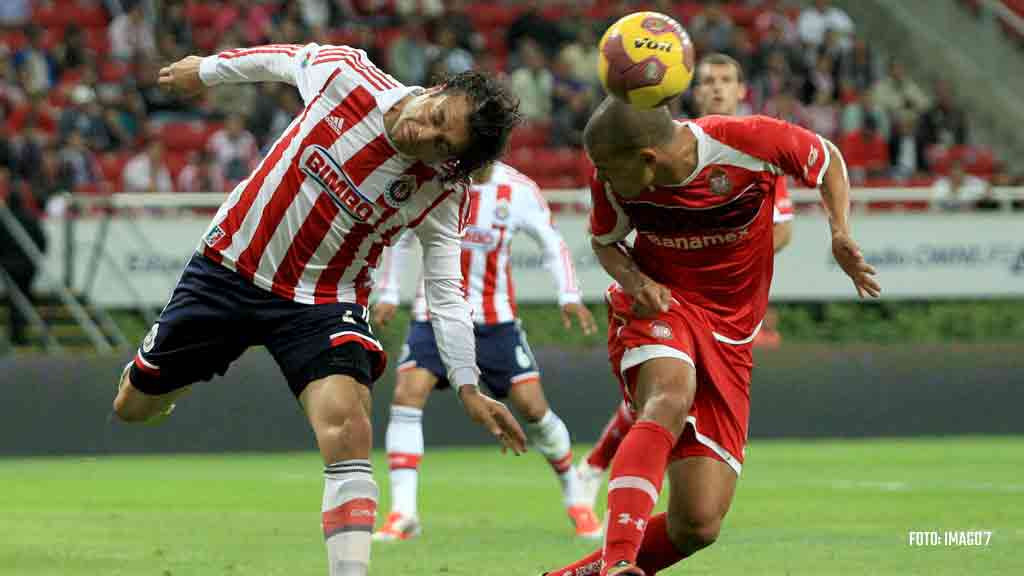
718	420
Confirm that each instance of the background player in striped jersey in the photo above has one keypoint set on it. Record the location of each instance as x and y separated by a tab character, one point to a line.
720	89
502	203
287	261
690	295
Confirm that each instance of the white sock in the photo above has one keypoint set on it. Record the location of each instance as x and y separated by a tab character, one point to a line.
404	443
349	512
551	438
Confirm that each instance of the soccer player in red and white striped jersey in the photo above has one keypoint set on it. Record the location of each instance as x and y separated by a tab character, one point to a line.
287	261
502	203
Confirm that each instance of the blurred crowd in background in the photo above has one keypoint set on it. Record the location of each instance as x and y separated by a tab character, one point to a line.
80	109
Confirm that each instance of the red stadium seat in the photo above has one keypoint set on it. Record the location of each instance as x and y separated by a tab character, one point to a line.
86	16
530	134
13	40
114	71
97	40
201	14
175	162
183	136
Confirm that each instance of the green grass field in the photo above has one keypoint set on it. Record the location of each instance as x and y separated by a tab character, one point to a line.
814	508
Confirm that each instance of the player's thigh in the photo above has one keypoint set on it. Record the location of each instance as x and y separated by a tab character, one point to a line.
199	333
338	409
507	363
413	386
700	494
663	391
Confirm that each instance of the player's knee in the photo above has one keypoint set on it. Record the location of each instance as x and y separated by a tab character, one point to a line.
351	430
692	534
128	408
412	391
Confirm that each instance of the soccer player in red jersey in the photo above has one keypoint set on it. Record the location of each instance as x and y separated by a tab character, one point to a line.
287	261
720	89
689	297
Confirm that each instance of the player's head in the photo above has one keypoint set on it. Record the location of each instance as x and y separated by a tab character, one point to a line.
720	85
465	119
627	143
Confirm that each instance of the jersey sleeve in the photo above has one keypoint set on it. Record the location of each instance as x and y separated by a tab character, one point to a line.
609	223
783	203
537	223
440	234
793	150
306	67
389	277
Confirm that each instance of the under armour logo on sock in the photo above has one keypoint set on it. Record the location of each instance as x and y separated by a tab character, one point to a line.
625	518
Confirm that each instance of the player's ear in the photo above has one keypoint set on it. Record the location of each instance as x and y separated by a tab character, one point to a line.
743	91
649	156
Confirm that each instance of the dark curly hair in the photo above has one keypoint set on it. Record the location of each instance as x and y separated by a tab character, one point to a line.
494	113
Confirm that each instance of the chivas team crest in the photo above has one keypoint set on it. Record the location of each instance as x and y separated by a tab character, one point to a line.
399	190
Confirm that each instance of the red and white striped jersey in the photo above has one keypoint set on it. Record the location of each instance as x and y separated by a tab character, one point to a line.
499	208
311	221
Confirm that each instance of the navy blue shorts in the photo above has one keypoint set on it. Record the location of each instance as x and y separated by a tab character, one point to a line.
214	315
502	354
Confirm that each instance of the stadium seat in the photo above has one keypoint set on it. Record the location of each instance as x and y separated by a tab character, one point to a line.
184	136
530	134
201	14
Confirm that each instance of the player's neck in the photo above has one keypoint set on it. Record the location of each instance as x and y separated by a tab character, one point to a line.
682	158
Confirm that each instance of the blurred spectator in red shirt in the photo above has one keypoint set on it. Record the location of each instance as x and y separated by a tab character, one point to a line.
865	151
252	19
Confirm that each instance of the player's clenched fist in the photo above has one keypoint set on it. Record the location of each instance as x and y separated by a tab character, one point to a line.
495	417
182	77
649	298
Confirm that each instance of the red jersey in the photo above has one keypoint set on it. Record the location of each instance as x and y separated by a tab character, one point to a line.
709	238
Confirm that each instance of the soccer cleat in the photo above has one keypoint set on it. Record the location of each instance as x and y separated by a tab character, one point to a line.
624	568
590	479
585	521
398	527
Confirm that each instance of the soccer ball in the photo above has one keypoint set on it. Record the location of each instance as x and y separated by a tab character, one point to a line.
646	59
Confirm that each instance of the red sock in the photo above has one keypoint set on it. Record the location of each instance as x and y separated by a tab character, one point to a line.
657	552
633	488
612	435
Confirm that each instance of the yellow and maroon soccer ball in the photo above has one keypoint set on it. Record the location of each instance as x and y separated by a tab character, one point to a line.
646	59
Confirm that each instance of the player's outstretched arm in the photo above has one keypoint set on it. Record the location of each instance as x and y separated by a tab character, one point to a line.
650	298
273	63
835	191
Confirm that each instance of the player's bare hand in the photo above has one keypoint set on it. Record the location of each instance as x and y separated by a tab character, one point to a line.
851	260
182	77
383	313
495	417
649	298
582	315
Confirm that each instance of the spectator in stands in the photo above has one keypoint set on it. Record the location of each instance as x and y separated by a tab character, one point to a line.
26	146
906	151
35	67
86	115
771	80
857	106
860	66
81	162
174	21
132	35
786	106
225	101
316	14
71	52
865	151
897	91
571	104
581	53
407	55
201	174
711	29
533	82
15	14
423	8
12	94
14	259
251	18
823	115
234	149
287	107
531	25
817	19
147	171
456	17
959	191
35	112
945	123
51	178
454	58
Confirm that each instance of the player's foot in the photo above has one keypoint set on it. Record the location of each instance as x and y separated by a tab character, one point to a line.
585	521
623	568
398	527
590	482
